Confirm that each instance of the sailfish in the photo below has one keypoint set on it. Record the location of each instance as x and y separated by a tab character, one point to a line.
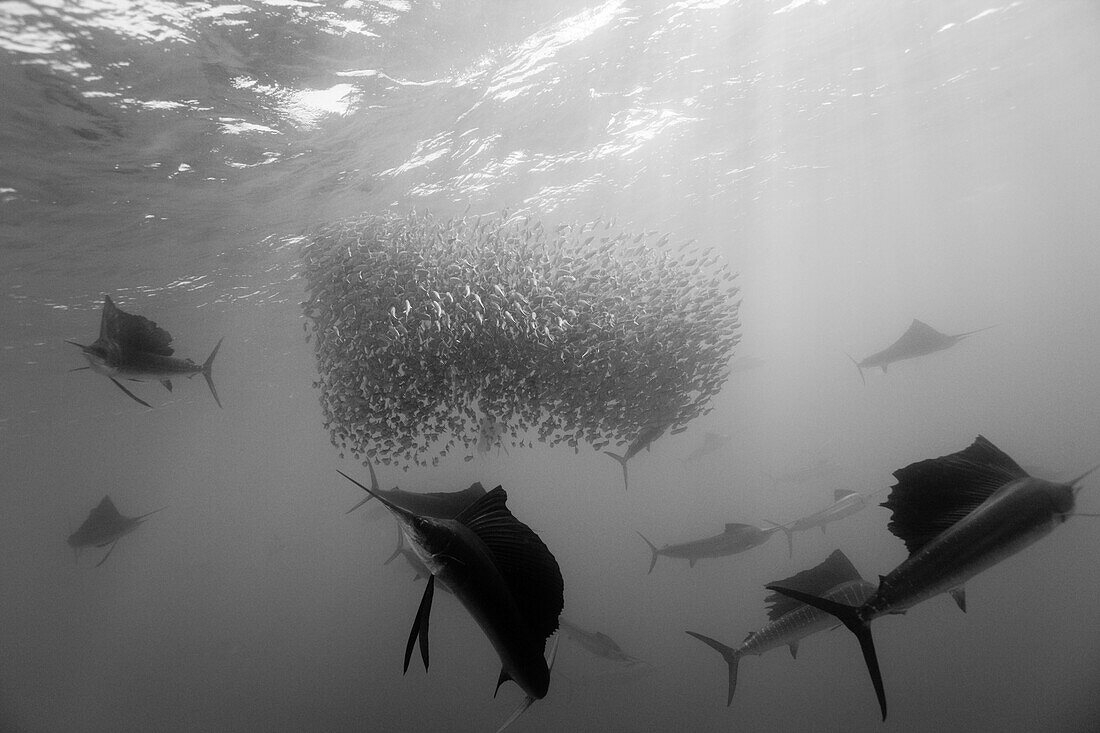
790	621
734	538
441	505
504	576
958	515
919	339
597	643
104	526
845	503
135	348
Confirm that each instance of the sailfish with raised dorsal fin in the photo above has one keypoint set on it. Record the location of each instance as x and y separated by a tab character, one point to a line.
790	621
135	348
104	526
919	339
504	576
958	515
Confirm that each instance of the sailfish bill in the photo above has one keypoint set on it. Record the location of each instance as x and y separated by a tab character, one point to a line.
501	572
958	515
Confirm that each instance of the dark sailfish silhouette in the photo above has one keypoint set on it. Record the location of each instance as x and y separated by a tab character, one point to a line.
104	526
133	347
733	539
503	575
958	515
790	621
441	505
919	339
645	439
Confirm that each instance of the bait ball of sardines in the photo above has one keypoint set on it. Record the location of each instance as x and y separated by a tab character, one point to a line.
428	331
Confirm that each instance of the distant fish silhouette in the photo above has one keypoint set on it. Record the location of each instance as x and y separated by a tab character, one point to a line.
441	505
134	348
712	442
789	621
735	538
503	575
919	339
645	438
597	643
104	526
958	515
845	504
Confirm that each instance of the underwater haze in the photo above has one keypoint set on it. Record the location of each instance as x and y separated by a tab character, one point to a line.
860	165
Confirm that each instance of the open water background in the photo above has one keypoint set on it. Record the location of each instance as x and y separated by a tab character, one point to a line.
860	164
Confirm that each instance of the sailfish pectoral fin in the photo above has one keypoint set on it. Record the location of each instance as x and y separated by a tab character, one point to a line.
852	620
370	492
130	394
109	551
526	703
420	626
504	677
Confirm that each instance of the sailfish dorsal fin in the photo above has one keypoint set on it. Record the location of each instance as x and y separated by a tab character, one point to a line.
932	495
830	573
105	510
132	331
524	562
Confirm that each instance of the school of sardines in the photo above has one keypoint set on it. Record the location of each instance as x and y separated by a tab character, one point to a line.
580	334
496	332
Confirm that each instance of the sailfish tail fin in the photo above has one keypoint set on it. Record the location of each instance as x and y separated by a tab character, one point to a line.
850	617
653	549
206	366
731	655
788	532
622	461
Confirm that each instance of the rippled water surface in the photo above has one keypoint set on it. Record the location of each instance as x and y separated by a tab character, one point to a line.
860	164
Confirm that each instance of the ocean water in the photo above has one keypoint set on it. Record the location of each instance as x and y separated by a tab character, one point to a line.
859	164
